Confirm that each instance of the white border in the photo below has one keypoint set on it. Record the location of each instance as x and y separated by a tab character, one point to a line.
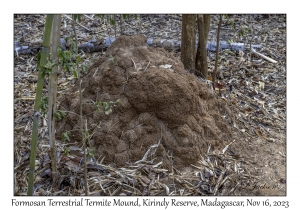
8	8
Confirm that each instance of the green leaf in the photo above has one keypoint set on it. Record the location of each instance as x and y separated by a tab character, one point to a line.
90	152
229	52
63	114
112	22
106	105
77	17
68	38
66	151
75	73
125	16
44	103
101	15
108	111
136	16
73	48
78	59
232	24
60	51
38	57
63	55
99	103
67	67
65	136
119	101
49	66
67	55
84	69
57	115
86	133
241	33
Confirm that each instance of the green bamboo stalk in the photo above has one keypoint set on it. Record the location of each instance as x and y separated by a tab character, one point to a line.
37	105
52	92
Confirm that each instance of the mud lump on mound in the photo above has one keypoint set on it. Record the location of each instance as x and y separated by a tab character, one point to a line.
159	105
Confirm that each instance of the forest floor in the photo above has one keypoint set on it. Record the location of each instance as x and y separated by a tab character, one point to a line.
253	88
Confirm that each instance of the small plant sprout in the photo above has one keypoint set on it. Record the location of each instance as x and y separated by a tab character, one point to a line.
90	152
66	151
65	136
44	105
59	115
106	106
112	60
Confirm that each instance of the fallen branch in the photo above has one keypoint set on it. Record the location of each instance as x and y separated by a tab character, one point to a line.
261	55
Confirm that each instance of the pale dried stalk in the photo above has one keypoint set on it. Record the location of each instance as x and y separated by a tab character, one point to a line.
52	93
217	52
80	118
263	56
77	23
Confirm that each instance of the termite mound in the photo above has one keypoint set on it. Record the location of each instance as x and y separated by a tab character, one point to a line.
161	104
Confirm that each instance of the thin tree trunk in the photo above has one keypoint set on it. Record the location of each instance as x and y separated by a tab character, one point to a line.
39	89
121	24
201	58
206	27
80	115
188	41
52	92
115	26
217	52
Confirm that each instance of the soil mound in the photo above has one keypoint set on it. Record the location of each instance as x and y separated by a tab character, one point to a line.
161	104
